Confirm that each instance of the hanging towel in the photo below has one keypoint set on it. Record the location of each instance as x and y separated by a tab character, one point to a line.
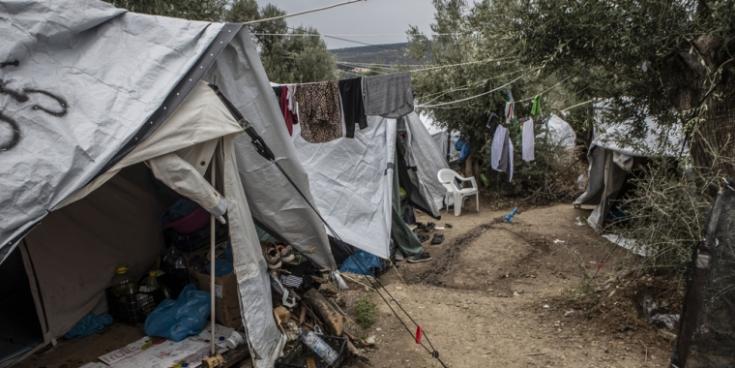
527	141
389	96
501	152
353	107
319	111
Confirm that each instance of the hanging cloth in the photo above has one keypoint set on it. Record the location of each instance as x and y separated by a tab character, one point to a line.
284	104
319	111
509	107
389	96
527	141
501	152
536	106
353	107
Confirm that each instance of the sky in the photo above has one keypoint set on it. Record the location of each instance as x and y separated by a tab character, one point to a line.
372	21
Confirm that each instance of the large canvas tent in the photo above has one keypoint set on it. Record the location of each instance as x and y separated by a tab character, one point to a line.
613	153
90	99
354	180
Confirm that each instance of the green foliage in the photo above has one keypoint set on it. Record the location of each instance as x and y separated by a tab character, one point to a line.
365	313
292	59
209	10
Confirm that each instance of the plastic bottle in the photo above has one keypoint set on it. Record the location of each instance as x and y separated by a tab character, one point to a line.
318	346
122	286
123	302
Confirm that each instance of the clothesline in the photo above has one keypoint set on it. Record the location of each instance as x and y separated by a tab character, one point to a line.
430	67
434	96
557	84
471	97
301	12
345	34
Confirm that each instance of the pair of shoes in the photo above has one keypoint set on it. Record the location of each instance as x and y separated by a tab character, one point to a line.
418	258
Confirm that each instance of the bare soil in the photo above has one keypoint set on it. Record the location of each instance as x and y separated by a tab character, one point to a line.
542	291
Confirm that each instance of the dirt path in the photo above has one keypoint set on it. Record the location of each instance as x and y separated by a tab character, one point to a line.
502	295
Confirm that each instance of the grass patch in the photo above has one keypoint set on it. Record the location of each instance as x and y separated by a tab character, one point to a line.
365	313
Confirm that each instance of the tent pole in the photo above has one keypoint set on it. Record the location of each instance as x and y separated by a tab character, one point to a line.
212	240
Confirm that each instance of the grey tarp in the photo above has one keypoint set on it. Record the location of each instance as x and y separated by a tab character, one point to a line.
274	201
91	61
611	156
121	67
706	336
427	159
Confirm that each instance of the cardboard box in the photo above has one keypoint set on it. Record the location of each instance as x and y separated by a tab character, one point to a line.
227	303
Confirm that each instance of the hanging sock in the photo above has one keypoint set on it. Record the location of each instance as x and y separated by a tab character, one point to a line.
536	106
527	141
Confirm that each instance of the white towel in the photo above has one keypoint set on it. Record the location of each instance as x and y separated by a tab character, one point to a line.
501	152
527	141
496	148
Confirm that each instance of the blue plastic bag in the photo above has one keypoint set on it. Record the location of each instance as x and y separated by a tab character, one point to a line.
180	318
89	325
362	263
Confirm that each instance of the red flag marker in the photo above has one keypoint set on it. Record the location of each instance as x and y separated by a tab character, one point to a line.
419	334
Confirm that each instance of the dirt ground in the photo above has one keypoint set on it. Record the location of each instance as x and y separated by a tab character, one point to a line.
510	295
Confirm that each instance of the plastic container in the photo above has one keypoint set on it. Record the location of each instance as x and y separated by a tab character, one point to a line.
123	299
319	347
150	292
296	357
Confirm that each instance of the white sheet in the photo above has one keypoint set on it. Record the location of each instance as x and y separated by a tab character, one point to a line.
352	184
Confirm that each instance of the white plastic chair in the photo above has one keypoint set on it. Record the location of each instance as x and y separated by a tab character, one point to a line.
448	178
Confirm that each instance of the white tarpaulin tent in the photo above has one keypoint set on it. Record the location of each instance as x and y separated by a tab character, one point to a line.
351	179
612	155
559	132
90	96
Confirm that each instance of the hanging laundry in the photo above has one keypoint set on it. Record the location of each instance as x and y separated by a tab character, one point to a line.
536	106
509	107
282	93
501	152
389	96
353	106
319	111
292	103
527	141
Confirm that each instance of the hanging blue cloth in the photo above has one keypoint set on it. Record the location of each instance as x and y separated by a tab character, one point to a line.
463	147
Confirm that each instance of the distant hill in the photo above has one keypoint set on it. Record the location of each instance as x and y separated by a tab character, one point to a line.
395	53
